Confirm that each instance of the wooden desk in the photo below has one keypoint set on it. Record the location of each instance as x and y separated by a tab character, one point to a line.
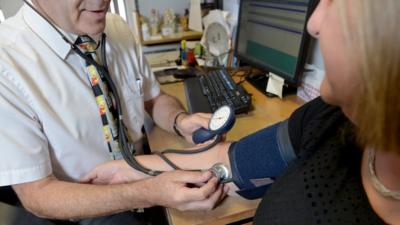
266	111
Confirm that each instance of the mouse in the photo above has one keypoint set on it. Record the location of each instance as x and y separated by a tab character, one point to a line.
184	73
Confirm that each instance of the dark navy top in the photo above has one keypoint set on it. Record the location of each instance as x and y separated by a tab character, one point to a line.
323	185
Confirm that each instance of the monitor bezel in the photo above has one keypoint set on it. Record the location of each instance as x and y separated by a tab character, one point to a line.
302	56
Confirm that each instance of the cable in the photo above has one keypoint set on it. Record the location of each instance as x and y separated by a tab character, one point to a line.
241	73
193	151
131	160
168	161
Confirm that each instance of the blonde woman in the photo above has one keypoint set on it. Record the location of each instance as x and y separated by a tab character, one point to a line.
344	166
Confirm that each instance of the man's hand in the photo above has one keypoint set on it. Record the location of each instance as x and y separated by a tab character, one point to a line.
113	172
187	124
185	190
182	190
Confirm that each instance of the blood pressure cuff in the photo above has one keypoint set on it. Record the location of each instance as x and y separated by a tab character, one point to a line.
258	159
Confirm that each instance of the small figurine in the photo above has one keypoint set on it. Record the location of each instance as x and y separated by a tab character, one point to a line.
169	23
154	22
184	21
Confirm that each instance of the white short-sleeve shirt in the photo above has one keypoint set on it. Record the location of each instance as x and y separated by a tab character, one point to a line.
49	119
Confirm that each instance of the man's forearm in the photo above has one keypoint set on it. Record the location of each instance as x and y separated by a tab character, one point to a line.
51	198
200	161
163	110
120	172
204	160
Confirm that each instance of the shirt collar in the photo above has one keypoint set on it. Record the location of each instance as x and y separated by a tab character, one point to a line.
47	33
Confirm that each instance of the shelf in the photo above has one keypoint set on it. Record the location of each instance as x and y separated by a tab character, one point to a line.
186	35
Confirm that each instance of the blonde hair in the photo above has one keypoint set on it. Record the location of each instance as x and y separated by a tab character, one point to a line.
373	31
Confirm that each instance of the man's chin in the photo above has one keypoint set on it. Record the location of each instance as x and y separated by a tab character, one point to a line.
95	31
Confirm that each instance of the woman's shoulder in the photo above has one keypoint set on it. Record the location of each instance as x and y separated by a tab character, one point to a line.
316	109
313	120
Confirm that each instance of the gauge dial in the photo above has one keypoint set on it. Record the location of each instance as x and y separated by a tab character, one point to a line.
221	122
220	118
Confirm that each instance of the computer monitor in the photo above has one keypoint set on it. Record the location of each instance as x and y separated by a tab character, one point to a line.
272	36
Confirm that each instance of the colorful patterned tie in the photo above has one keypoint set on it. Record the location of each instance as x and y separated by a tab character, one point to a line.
104	97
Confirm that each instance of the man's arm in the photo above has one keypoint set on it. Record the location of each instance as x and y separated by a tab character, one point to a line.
202	161
119	171
164	109
255	161
52	198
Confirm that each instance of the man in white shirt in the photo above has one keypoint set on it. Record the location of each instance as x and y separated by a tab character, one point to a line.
51	131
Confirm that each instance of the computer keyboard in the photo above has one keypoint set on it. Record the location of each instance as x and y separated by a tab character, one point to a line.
206	93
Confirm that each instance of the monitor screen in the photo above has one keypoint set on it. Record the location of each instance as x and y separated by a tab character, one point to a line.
272	35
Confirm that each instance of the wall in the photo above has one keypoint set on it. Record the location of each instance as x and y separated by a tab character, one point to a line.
178	6
231	6
10	7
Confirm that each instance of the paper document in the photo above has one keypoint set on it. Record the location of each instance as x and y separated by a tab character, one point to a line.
275	85
195	16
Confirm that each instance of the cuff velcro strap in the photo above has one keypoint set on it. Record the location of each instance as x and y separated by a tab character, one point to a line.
253	193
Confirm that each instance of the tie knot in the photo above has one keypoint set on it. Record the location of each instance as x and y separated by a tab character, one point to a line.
87	44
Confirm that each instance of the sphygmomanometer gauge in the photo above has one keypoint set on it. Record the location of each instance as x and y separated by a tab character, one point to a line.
221	122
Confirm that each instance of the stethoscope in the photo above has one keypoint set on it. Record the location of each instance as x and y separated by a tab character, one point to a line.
127	147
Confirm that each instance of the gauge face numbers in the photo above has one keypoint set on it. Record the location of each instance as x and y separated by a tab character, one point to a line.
220	118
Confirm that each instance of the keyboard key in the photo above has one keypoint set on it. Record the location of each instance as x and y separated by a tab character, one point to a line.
218	88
